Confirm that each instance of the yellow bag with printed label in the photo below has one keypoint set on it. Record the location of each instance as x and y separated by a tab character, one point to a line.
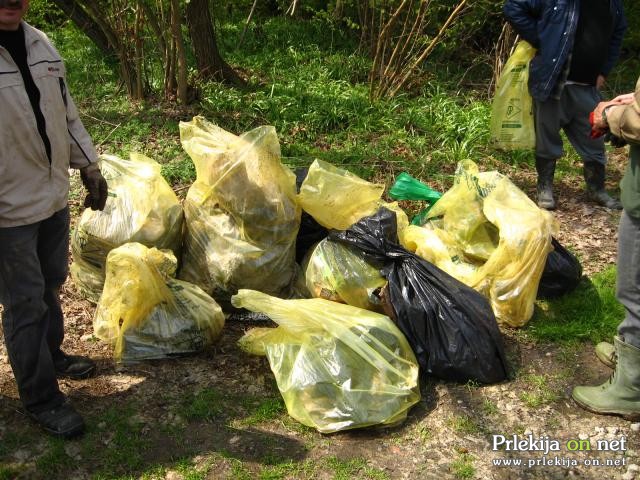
337	367
141	208
512	125
145	313
488	234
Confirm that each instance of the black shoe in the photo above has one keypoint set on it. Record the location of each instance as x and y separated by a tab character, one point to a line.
75	367
62	421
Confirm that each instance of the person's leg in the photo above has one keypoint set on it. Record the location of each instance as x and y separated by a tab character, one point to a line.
548	149
620	395
581	100
25	318
53	252
628	280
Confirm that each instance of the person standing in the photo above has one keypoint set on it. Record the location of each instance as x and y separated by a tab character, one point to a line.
41	136
620	395
578	43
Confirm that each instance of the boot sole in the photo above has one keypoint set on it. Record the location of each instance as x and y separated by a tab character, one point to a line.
67	434
632	417
77	376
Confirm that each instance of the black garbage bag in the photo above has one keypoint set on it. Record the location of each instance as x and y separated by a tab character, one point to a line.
450	327
562	272
310	232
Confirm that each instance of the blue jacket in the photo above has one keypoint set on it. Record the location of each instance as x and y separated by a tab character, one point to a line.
550	26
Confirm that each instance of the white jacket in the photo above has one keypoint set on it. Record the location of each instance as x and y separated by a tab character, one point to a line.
31	188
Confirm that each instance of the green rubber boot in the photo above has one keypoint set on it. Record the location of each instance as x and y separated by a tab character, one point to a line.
606	353
620	395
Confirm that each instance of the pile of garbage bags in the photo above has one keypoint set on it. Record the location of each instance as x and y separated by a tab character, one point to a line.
363	298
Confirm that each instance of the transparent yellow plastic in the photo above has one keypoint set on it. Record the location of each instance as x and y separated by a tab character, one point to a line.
241	212
512	124
489	235
337	198
147	314
334	272
337	367
141	207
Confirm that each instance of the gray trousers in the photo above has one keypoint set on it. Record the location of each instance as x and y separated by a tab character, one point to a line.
33	266
571	114
628	287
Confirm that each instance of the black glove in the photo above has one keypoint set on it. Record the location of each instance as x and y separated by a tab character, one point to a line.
616	142
96	185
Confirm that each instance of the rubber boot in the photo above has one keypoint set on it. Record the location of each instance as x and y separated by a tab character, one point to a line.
546	169
620	395
594	178
606	353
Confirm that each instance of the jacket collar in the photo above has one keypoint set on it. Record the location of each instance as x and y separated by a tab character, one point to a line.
31	35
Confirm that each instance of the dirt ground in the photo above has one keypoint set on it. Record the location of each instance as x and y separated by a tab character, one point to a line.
449	434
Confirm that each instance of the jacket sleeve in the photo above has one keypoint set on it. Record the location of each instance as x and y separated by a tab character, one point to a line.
616	42
83	153
523	16
624	121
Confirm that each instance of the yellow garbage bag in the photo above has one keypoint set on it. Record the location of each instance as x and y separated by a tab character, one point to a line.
241	213
141	207
337	198
488	234
335	272
146	314
337	367
512	124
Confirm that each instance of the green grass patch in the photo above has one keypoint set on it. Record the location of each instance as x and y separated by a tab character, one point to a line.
204	405
266	411
463	424
353	468
539	391
462	467
55	459
116	442
591	312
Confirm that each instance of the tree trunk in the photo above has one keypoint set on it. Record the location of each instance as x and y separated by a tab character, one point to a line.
181	56
210	63
87	25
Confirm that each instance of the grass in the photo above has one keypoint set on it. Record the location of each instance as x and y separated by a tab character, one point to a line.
591	312
539	391
462	467
204	405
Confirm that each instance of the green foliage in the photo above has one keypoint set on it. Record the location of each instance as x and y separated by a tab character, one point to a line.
591	312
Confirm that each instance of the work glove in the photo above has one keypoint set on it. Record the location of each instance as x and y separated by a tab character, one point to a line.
96	185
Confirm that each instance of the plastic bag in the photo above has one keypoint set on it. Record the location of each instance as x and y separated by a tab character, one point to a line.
337	367
450	326
310	232
146	314
512	125
408	188
241	212
337	198
338	273
492	238
141	208
562	272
